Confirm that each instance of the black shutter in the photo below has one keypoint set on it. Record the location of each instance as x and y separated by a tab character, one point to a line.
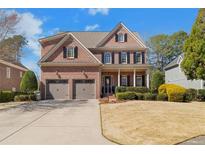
128	80
119	57
134	58
128	57
143	57
64	52
113	57
116	37
125	37
103	57
143	80
76	52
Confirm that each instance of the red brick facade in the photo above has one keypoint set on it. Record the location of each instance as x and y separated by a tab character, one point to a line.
88	64
12	83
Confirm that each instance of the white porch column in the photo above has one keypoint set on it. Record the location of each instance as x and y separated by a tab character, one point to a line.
147	75
118	75
134	78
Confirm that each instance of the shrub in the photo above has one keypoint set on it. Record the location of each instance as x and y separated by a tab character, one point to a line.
6	96
201	95
29	82
30	97
149	96
175	92
190	95
120	89
162	97
137	89
139	96
157	79
126	96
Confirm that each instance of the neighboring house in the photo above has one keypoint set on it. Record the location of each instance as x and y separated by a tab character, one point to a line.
86	65
10	75
174	74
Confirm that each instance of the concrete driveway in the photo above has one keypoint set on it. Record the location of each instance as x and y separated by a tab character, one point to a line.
52	122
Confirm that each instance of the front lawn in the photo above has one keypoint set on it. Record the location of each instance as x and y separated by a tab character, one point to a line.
152	122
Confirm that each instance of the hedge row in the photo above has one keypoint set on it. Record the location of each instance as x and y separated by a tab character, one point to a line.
8	96
140	96
131	89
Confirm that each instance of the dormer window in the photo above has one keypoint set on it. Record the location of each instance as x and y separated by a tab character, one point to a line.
121	37
107	58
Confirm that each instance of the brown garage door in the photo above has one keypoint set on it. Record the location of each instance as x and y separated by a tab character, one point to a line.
57	89
84	89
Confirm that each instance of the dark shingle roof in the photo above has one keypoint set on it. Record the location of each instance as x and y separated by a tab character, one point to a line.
173	63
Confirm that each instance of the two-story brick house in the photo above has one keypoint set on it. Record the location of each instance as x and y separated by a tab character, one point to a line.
11	74
86	65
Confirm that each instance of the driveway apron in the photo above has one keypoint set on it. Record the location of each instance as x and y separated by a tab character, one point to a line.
52	122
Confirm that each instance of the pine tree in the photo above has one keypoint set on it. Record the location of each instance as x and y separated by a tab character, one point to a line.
193	63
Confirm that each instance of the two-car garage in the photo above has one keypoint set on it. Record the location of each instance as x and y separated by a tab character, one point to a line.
79	89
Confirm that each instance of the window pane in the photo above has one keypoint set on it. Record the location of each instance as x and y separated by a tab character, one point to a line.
120	38
71	52
138	57
107	58
124	81
139	81
124	57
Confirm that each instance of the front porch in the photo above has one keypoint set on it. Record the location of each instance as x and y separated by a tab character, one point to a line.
110	78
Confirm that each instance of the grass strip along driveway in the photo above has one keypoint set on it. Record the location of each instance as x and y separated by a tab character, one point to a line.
150	122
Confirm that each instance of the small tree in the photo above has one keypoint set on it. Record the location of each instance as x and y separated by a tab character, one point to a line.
29	82
157	79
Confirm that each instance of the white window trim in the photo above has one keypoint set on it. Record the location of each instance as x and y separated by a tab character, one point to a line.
110	58
121	57
122	78
8	72
72	51
138	76
140	62
123	37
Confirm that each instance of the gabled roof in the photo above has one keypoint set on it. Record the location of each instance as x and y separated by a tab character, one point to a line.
65	38
14	64
174	63
94	38
136	37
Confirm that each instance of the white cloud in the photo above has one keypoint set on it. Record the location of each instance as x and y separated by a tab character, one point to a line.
91	27
103	11
30	27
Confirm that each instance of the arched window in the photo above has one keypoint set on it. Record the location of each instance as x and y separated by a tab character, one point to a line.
121	37
107	58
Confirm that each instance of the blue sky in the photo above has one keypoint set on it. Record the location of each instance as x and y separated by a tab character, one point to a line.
39	23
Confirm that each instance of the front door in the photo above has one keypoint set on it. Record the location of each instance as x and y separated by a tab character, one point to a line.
107	85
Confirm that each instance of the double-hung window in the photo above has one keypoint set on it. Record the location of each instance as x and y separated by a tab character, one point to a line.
107	58
124	80
124	57
8	72
138	80
70	52
121	37
138	57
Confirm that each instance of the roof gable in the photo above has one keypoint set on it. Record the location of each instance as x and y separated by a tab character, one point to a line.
63	40
115	30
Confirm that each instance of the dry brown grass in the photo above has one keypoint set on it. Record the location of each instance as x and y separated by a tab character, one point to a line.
144	122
